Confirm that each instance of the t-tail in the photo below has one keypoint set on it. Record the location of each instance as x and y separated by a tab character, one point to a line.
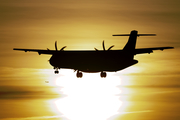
131	44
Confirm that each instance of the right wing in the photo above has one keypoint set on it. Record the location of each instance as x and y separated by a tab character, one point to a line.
150	50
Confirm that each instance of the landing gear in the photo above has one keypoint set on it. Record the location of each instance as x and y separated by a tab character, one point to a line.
103	74
56	70
79	74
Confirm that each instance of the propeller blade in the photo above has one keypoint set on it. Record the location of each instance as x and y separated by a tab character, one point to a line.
103	46
63	48
56	46
96	49
110	47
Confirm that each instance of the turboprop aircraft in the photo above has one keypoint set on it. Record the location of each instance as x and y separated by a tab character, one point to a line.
92	61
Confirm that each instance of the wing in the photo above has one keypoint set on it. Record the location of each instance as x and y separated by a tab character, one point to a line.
150	50
50	52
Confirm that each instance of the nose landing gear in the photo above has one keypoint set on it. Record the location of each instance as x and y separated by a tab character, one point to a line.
56	70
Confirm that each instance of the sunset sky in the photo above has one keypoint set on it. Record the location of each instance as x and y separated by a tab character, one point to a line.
83	25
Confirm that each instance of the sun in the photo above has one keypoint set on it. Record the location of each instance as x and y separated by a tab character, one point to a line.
90	97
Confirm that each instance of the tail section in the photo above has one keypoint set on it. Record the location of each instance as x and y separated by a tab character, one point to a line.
131	44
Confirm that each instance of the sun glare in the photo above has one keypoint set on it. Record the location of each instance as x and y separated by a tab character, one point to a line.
90	97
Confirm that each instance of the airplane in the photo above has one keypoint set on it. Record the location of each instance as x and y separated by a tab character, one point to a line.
92	61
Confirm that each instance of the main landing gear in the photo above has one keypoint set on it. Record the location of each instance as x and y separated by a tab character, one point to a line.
79	74
103	74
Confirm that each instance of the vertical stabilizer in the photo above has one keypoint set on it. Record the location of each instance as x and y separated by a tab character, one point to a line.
131	44
129	48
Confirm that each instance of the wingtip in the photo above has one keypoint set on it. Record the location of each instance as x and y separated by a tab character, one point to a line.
171	47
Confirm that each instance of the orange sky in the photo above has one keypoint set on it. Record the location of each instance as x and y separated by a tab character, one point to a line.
84	25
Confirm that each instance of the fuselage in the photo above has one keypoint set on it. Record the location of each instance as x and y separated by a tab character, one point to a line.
92	61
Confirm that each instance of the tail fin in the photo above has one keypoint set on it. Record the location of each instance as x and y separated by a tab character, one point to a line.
131	44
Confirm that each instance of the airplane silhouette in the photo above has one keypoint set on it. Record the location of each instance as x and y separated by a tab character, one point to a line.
97	60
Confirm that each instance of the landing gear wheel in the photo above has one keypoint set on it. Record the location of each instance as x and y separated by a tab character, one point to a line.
103	74
56	72
79	74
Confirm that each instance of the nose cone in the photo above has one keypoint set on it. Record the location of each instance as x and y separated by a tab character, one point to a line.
52	60
56	60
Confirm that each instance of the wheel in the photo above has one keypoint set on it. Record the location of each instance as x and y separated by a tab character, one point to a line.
79	74
103	74
56	72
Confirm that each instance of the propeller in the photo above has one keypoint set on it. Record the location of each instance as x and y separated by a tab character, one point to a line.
57	48
104	47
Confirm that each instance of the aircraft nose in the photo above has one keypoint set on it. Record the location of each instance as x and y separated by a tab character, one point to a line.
51	61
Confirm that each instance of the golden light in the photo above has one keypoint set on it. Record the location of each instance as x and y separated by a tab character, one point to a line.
90	97
126	75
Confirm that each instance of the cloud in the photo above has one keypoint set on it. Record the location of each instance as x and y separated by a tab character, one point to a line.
36	118
27	92
25	76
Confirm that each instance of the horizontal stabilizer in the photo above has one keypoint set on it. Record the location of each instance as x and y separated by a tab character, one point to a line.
137	35
121	35
146	35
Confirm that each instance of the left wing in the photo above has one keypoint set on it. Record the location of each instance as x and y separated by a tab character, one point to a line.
50	52
150	50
